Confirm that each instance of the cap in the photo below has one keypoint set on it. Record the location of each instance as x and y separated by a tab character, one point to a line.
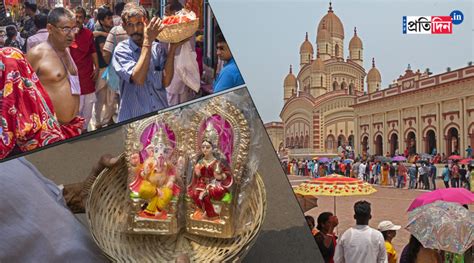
387	225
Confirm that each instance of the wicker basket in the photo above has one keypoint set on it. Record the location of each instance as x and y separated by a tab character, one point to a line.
178	32
106	211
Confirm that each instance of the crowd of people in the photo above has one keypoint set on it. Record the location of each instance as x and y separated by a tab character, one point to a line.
422	174
105	65
362	243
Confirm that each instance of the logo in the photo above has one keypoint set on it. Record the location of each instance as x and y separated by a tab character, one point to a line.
457	17
441	25
427	25
432	24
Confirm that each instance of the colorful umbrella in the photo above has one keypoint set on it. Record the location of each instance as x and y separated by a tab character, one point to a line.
346	161
399	158
466	161
323	160
454	195
334	185
442	225
454	157
337	159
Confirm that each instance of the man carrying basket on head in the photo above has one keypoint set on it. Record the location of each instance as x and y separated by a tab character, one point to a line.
143	65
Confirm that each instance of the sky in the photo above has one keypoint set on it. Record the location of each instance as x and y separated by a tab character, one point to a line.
265	38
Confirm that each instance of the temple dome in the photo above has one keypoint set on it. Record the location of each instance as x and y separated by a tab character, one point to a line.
306	47
290	79
355	42
332	23
374	74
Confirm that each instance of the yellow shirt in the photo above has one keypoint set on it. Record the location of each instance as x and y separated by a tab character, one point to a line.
391	253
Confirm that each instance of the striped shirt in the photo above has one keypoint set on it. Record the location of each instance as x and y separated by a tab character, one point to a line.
136	100
116	35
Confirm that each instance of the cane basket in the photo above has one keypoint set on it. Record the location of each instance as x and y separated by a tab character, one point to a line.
178	32
106	211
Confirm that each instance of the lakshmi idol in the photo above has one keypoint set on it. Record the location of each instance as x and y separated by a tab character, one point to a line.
212	178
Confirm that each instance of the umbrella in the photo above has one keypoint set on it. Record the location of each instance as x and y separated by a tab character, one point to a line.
334	185
466	161
337	159
399	158
315	158
454	157
442	225
323	160
455	195
383	159
346	161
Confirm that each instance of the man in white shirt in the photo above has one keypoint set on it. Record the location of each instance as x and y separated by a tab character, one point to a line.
362	168
361	243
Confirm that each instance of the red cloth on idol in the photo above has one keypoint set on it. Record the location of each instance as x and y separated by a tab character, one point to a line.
27	117
204	183
81	51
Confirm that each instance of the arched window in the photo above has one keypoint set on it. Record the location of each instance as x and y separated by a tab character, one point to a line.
322	81
334	85
411	143
360	57
343	85
336	50
351	140
452	142
330	143
340	140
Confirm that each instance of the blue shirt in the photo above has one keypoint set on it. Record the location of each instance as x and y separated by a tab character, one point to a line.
35	223
446	174
229	77
136	100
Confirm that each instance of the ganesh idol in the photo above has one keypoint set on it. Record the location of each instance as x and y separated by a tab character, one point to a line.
155	178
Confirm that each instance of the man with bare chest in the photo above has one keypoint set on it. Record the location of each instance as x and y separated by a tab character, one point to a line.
55	67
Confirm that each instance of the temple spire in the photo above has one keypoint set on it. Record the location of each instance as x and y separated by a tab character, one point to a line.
373	62
330	6
291	69
306	38
355	31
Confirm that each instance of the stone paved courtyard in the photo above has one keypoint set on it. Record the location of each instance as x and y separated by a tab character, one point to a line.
387	204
